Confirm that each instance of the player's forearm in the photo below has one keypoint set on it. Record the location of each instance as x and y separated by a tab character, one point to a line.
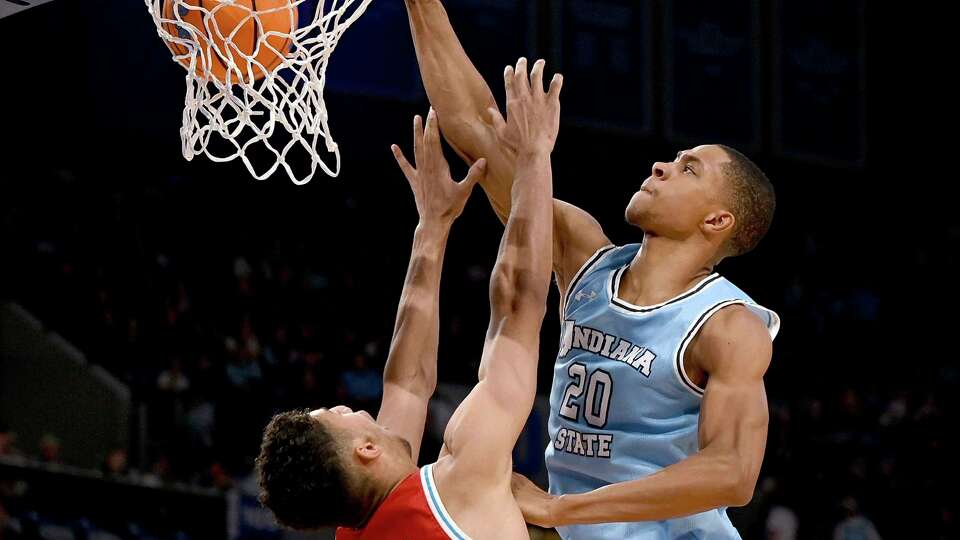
695	485
456	89
531	220
461	97
412	362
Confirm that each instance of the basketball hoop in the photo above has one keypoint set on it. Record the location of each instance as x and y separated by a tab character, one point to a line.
255	77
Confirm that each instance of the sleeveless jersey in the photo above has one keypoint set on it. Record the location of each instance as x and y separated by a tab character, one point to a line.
621	405
413	511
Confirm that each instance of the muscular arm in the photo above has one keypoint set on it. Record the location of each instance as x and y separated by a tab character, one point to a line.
410	376
462	98
735	349
482	432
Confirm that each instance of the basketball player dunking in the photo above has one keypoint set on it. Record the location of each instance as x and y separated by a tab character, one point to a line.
658	410
339	467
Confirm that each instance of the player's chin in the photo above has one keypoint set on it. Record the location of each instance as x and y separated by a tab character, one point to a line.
636	210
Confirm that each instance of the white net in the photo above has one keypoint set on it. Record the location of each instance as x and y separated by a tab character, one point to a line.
256	71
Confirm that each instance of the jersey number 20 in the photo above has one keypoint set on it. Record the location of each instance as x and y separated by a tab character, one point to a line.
599	388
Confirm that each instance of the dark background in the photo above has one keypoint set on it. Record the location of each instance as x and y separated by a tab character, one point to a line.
266	294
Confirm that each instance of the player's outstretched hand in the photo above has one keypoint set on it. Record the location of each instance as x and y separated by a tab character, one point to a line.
438	197
536	504
533	115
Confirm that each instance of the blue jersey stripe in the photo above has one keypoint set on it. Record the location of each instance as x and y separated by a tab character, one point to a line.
449	526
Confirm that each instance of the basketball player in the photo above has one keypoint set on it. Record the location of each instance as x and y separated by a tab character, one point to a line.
340	467
658	410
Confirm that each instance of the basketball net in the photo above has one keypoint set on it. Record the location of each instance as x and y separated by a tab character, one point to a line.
282	112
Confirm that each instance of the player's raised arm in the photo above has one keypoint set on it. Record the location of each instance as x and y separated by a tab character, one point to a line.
460	95
410	376
484	429
471	122
736	349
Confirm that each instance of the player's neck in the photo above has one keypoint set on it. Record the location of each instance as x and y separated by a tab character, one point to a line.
663	269
390	478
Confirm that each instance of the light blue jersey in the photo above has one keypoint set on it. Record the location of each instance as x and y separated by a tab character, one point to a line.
621	405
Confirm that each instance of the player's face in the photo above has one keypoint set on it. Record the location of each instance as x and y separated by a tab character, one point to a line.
677	195
360	424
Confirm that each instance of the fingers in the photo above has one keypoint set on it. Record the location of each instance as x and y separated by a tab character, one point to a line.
475	174
555	85
536	77
521	80
405	166
418	139
431	135
517	82
508	79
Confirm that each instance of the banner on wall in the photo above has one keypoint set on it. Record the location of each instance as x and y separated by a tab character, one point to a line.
819	100
712	72
605	56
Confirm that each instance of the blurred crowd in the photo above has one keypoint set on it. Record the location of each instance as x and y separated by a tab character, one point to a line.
214	339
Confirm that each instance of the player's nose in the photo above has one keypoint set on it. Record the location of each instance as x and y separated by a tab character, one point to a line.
659	170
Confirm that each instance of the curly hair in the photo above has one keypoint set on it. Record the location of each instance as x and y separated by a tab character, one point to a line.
301	474
752	199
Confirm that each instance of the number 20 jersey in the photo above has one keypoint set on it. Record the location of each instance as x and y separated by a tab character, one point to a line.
621	406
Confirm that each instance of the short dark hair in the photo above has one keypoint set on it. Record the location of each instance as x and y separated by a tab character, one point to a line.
752	198
302	476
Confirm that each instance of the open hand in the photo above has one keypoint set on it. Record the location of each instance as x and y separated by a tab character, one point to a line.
438	197
533	115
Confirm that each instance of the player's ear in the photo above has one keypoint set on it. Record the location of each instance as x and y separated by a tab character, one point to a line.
367	451
718	222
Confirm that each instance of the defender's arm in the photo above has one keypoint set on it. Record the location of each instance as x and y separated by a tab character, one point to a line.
461	97
472	124
410	375
482	432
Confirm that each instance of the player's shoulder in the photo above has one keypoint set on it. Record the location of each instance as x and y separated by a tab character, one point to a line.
736	320
577	234
734	337
735	308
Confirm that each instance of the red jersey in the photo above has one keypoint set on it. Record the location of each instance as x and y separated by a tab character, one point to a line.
412	511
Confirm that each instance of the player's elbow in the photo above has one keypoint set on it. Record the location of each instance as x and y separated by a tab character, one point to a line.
421	382
741	493
514	291
425	384
738	484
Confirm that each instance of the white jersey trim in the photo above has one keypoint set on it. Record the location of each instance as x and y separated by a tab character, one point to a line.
436	505
769	318
615	301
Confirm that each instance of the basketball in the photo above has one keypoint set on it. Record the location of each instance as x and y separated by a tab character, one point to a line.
234	33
